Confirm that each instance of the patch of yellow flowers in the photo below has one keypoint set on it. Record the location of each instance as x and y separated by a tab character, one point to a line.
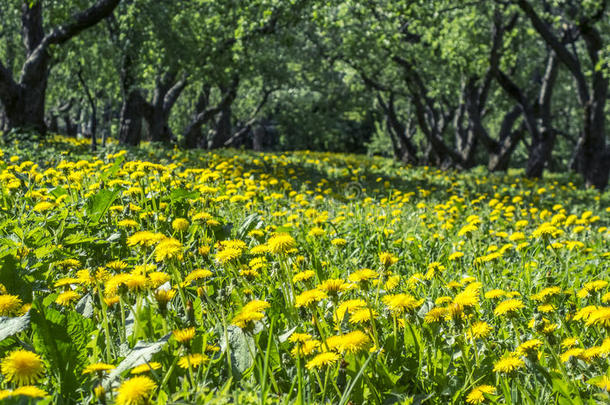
483	281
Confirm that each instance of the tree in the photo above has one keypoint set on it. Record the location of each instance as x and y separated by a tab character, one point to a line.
24	98
592	156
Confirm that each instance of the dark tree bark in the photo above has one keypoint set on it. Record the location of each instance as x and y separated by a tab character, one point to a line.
130	125
252	122
591	155
223	130
106	122
401	135
204	113
157	111
93	106
542	144
24	99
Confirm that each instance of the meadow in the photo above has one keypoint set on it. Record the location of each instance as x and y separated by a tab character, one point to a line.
156	276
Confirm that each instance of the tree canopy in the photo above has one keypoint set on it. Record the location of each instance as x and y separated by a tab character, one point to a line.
458	83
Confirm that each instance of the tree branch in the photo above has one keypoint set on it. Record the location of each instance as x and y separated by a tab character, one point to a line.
173	93
59	35
560	49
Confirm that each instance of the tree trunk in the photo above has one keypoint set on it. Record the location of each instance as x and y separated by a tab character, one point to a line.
258	137
24	100
223	129
157	112
130	127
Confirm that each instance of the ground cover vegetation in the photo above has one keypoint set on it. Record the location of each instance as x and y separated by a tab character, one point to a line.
171	276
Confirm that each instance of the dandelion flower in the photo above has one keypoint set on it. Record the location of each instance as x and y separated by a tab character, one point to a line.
143	368
352	342
476	395
22	367
399	303
478	330
528	347
184	335
297	337
168	248
602	382
508	364
332	286
192	360
362	315
309	297
97	368
508	307
306	348
363	275
600	317
135	391
228	255
575	352
29	391
9	305
387	259
303	276
323	360
180	224
281	243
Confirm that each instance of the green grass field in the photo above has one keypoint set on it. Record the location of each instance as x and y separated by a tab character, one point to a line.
159	276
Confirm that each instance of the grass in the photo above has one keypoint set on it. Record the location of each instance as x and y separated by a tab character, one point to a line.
166	276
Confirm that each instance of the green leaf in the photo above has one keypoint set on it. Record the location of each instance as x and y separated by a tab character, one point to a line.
181	194
62	340
13	280
99	204
141	353
242	349
113	169
12	326
250	222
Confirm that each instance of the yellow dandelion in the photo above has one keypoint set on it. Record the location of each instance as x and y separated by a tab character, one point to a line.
67	298
435	315
180	224
363	276
281	243
143	368
575	352
184	335
192	360
309	297
332	286
306	348
387	259
399	303
97	368
352	342
602	382
600	316
479	330
508	307
22	367
508	364
9	305
322	360
361	316
136	391
303	276
29	391
168	248
528	347
477	394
